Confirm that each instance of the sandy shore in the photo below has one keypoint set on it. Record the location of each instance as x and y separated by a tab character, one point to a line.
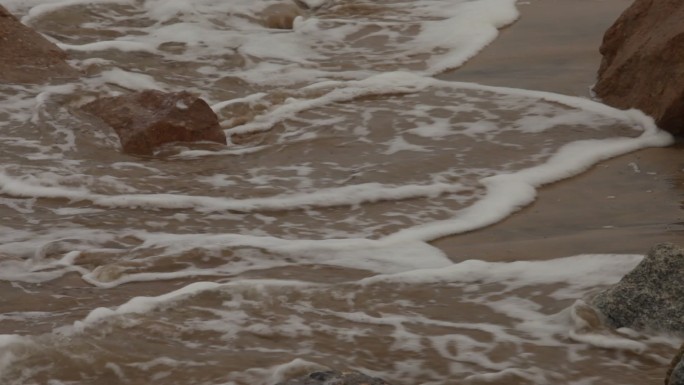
624	205
552	47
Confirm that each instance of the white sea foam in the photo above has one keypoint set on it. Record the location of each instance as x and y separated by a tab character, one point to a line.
452	341
577	274
127	46
581	272
342	196
130	80
146	304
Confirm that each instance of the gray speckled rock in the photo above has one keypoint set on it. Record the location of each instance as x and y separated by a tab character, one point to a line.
675	375
335	378
649	297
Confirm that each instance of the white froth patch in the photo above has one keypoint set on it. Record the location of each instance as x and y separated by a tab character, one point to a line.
76	211
251	99
130	80
376	256
144	304
578	272
164	10
530	374
41	8
218	180
400	144
605	339
119	45
7	357
7	339
139	305
467	28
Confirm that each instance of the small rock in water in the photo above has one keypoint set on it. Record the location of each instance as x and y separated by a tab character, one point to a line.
675	374
148	119
335	378
650	297
280	16
642	67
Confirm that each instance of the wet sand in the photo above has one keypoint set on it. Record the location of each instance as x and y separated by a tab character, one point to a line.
553	47
624	205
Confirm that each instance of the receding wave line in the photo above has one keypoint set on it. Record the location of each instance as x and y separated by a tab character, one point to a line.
331	197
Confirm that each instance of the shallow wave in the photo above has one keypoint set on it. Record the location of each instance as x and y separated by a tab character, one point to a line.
516	322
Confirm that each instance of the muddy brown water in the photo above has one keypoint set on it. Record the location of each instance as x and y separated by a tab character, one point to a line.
252	264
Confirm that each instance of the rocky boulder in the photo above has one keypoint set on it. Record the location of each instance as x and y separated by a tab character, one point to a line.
650	297
642	67
335	378
675	375
26	56
148	119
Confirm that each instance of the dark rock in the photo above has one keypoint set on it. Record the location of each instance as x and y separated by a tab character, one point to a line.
26	56
148	119
675	374
642	66
335	378
650	297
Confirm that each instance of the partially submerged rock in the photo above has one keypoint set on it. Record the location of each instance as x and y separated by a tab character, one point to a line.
335	378
675	374
650	297
280	16
148	119
26	56
642	67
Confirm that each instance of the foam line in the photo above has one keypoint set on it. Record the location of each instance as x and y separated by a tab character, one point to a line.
120	45
507	193
46	8
331	197
588	270
143	304
372	255
386	83
247	99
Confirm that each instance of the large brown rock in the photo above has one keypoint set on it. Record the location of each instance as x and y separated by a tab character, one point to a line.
148	119
26	56
643	62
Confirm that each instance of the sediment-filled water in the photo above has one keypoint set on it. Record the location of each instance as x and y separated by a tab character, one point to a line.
304	243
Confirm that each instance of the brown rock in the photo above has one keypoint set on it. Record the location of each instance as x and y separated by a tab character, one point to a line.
146	120
280	16
26	56
643	62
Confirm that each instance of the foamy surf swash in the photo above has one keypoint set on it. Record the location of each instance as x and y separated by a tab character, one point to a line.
305	243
